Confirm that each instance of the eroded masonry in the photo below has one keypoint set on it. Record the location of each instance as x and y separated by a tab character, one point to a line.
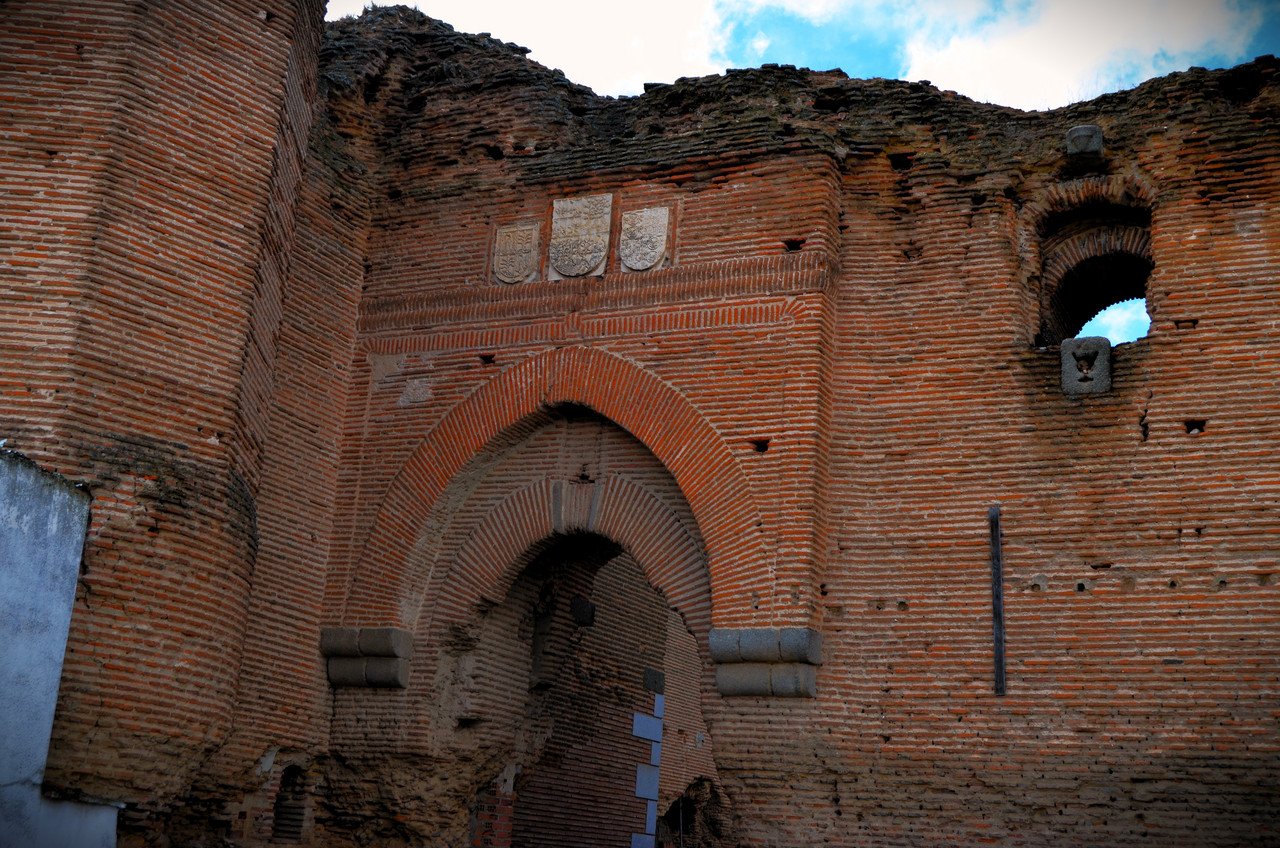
471	460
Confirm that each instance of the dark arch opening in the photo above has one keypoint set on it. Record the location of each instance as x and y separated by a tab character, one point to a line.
601	679
290	811
1090	287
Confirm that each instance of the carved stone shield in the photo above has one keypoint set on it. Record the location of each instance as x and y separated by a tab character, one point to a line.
580	234
644	237
515	252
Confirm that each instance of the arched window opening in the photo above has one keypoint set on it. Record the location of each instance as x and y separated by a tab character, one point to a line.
1093	257
290	807
1092	286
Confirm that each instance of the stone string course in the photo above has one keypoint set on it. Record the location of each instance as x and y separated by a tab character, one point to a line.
248	299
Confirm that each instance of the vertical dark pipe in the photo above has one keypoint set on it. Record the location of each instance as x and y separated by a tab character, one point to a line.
997	597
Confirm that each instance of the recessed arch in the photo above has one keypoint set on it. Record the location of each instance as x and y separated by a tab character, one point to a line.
1091	240
616	508
654	412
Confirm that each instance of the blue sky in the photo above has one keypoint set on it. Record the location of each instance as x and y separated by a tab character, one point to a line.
1029	54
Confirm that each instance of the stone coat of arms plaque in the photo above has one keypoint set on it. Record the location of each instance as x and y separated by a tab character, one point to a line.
643	242
580	234
515	253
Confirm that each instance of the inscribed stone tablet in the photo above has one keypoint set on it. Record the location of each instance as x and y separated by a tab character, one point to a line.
580	234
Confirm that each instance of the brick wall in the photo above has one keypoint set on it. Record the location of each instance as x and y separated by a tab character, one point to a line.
302	397
150	187
851	302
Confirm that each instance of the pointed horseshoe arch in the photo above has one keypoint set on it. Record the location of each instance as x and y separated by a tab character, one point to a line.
654	412
616	508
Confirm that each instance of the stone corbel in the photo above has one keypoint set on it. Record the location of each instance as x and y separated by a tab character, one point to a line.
778	662
377	657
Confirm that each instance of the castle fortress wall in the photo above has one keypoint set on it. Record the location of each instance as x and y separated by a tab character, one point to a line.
854	274
149	155
825	314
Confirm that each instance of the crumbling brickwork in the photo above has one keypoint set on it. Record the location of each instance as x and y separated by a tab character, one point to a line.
672	419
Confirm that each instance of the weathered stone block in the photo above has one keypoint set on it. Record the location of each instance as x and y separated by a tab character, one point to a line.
744	679
385	642
800	645
723	644
758	644
340	641
346	671
1086	365
793	680
1085	140
386	672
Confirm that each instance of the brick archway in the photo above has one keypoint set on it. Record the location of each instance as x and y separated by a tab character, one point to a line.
1085	244
616	508
651	410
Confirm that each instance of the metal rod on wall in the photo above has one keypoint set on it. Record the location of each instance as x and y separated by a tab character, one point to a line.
997	598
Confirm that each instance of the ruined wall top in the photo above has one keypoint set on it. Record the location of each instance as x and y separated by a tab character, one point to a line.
420	67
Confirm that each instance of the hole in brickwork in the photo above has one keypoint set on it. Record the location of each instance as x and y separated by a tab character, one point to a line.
1081	586
1240	85
467	722
290	809
1186	323
373	86
1039	583
1195	426
1100	566
582	611
793	244
902	606
700	816
901	161
1095	213
1173	584
493	151
487	358
1265	579
759	445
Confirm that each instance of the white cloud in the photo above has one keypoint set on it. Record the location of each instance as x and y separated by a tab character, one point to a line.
614	48
1026	53
1060	51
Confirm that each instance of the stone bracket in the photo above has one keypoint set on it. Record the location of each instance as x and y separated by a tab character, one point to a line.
778	662
376	657
1086	365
